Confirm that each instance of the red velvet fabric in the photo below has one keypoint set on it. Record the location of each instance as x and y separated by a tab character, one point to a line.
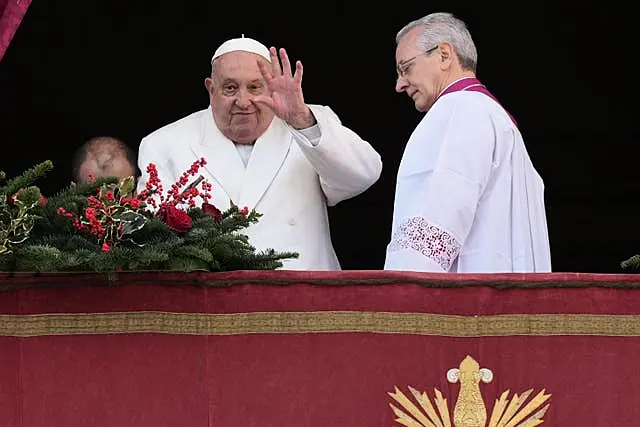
11	14
314	378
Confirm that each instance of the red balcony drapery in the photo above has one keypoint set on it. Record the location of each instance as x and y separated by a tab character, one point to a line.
311	348
11	14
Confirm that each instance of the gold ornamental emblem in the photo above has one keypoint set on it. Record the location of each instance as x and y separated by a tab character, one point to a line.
470	410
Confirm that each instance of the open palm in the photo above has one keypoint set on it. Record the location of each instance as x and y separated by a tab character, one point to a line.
285	99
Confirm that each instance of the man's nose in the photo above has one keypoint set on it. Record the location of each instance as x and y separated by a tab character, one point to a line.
401	84
243	100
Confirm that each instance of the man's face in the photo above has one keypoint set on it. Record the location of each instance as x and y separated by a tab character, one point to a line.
419	74
106	164
235	83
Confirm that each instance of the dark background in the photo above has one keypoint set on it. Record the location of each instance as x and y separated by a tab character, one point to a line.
80	69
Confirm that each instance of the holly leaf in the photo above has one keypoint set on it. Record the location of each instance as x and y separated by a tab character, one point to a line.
127	185
133	221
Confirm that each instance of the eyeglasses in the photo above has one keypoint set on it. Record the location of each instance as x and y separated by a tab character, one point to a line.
403	66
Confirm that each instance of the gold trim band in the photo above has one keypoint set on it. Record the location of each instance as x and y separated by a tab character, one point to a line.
319	322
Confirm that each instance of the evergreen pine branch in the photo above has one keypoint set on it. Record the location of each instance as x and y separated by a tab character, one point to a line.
631	263
149	258
38	258
85	189
27	178
186	264
30	196
195	252
58	241
7	262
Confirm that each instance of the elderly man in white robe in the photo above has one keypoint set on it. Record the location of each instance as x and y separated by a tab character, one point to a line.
268	150
468	199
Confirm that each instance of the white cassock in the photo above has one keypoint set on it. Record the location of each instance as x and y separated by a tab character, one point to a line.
468	198
289	176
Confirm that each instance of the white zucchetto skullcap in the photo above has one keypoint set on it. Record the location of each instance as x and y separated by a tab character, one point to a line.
245	44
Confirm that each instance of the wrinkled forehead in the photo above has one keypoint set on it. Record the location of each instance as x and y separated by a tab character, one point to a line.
238	66
408	45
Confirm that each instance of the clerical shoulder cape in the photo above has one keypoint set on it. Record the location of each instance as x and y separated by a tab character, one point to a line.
468	198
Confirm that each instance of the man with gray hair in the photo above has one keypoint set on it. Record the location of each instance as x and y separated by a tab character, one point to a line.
468	199
267	149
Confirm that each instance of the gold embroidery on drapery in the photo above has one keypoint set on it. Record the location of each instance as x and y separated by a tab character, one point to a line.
320	322
469	410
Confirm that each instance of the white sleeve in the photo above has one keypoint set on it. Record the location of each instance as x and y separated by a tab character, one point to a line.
346	164
433	228
312	134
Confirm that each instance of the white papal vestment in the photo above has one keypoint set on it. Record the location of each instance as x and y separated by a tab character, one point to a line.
288	178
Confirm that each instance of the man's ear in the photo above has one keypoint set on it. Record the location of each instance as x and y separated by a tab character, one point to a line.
446	55
208	83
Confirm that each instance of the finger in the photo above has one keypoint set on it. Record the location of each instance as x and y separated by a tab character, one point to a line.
266	74
297	78
266	100
276	70
286	65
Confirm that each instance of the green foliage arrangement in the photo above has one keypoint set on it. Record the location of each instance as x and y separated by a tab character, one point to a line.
19	199
632	263
104	226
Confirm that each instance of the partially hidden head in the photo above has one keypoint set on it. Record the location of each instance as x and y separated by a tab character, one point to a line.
233	86
103	156
431	53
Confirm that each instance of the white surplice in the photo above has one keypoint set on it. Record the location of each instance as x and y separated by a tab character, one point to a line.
468	199
287	178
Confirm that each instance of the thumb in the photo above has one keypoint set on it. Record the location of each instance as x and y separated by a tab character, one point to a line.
266	100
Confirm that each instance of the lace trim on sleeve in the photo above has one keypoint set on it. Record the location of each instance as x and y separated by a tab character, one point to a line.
419	235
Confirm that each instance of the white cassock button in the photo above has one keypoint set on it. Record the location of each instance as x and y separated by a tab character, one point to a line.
292	221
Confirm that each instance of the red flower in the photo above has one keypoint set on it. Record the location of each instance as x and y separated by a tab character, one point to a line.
176	219
210	209
11	200
43	200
